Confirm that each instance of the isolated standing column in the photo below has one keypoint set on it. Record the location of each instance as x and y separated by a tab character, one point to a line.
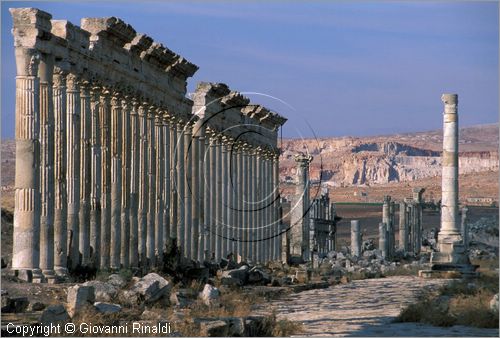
355	238
450	226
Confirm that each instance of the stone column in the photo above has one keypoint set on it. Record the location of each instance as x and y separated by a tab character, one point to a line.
245	199
386	219
85	173
95	185
105	122
188	193
218	200
225	198
160	184
276	207
300	215
181	243
73	111
239	199
173	181
45	71
252	210
143	184
464	227
206	211
134	184
196	193
116	180
150	237
355	238
126	140
450	226
403	227
61	201
382	239
213	195
26	247
166	182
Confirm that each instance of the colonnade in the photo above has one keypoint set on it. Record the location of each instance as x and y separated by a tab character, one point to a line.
113	162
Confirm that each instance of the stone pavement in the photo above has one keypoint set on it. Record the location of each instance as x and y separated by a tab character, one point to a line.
365	308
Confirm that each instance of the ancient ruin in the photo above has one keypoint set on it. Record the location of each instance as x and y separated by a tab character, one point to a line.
452	254
114	162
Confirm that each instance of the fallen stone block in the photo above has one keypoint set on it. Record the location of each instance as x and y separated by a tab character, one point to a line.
54	314
104	292
116	280
213	327
79	296
107	307
210	294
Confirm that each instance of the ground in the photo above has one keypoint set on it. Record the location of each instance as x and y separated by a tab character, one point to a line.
364	308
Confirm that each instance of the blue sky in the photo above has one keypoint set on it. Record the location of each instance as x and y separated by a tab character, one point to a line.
335	68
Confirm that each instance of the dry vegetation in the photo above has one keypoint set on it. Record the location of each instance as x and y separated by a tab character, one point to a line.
462	302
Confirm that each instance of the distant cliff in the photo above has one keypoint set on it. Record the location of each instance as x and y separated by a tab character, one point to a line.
350	161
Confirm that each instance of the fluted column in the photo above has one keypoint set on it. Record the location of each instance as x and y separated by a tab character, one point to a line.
26	247
253	199
85	173
143	183
403	227
213	196
173	181
150	239
239	199
95	184
244	202
206	211
166	181
126	140
225	198
73	111
196	192
188	192
116	180
105	122
233	195
181	243
258	207
61	201
218	200
46	168
160	185
276	208
134	184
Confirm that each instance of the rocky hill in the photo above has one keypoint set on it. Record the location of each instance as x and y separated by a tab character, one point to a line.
350	161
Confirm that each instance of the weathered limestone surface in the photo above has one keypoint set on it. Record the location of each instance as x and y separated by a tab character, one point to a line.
364	308
113	161
299	237
451	245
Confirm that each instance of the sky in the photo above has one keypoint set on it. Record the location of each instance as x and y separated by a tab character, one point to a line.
332	68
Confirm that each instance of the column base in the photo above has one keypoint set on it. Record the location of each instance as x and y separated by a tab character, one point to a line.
38	276
61	272
49	276
451	261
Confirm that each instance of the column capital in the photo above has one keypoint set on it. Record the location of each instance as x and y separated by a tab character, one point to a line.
450	99
72	82
303	159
